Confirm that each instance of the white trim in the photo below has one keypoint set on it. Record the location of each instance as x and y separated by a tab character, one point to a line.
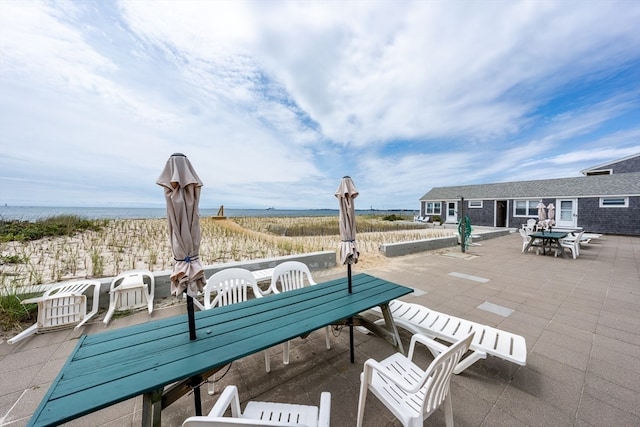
433	210
470	206
528	208
624	205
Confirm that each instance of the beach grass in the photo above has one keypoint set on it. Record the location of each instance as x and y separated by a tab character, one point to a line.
120	245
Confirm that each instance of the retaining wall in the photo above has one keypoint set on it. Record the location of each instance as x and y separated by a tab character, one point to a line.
415	246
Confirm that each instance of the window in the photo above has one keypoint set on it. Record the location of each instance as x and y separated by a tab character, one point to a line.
433	208
475	204
525	208
614	202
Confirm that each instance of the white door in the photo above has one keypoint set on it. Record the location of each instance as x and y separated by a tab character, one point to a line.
567	213
452	212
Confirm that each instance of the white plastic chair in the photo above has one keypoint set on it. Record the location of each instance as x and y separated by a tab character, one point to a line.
532	225
62	306
129	291
525	241
229	286
257	414
410	393
573	244
288	276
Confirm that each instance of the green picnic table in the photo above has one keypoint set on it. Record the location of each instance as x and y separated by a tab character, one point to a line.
114	366
550	239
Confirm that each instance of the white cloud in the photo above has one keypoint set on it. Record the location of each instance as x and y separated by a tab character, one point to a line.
274	102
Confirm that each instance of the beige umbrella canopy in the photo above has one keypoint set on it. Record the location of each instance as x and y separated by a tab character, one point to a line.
346	193
551	213
182	186
541	213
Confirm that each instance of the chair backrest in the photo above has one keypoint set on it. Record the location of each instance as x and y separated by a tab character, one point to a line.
136	289
290	275
437	377
229	286
66	304
525	236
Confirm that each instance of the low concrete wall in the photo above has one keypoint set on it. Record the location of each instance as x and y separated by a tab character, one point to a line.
314	260
416	246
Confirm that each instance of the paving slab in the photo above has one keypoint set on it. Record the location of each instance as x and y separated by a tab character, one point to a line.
581	320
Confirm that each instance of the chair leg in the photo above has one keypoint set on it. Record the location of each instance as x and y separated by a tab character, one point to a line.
107	316
24	334
285	353
361	402
448	410
327	339
267	361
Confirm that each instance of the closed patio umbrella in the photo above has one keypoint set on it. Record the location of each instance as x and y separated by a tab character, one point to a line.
541	216
346	193
182	186
541	213
551	214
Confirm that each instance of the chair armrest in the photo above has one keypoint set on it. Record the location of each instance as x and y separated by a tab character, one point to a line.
33	300
54	296
228	399
257	292
324	413
372	365
434	346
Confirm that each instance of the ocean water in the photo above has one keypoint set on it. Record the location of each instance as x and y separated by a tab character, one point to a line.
35	213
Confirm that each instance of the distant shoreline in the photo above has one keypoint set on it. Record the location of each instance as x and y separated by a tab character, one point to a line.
35	213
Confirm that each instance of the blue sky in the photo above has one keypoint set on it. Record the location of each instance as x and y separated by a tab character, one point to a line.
273	102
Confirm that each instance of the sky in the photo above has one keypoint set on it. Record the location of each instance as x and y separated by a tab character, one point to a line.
273	102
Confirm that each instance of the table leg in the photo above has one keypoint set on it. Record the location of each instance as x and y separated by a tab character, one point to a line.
389	332
391	325
152	408
560	248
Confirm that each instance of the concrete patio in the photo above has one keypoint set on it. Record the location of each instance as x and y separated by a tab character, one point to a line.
581	320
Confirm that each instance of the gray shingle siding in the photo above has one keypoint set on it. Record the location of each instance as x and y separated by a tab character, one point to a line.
586	189
628	166
609	220
582	186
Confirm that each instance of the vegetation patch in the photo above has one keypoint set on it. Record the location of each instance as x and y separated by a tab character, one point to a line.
61	225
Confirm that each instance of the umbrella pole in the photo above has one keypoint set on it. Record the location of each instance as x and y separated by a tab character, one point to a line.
191	316
351	318
194	383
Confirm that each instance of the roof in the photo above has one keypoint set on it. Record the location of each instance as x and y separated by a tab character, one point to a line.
624	184
613	162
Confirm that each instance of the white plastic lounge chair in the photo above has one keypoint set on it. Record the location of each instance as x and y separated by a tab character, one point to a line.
257	414
409	392
230	286
129	291
62	306
419	319
288	276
